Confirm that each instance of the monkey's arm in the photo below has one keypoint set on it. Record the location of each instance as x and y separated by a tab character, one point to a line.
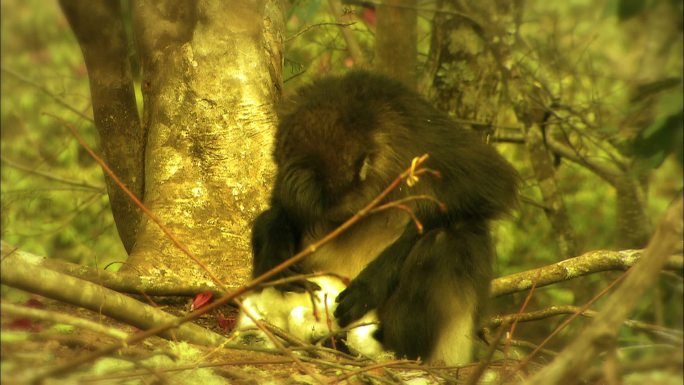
377	281
275	238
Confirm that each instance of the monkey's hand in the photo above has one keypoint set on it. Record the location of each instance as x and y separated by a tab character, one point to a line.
373	286
355	301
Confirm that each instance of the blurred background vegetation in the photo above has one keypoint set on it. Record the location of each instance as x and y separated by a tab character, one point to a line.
617	63
54	201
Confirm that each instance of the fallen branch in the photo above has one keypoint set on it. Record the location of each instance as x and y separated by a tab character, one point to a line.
18	272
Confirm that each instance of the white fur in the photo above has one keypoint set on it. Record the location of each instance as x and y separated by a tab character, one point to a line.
295	314
360	338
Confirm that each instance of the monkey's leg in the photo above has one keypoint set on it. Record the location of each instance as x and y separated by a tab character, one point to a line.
433	311
377	280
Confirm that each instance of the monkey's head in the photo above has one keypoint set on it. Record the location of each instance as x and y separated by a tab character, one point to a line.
323	153
342	140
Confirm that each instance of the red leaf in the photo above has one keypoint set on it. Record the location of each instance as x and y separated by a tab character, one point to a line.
24	324
34	303
201	299
368	15
349	62
227	324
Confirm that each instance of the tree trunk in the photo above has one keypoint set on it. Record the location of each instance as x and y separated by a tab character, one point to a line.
634	227
555	209
211	77
396	40
212	74
461	75
98	26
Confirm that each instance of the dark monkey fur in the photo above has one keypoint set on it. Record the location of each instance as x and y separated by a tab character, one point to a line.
342	141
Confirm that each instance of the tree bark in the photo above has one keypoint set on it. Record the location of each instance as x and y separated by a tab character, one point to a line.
588	263
396	40
555	210
211	77
98	26
633	224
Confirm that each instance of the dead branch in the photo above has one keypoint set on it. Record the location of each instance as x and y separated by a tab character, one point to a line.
670	334
18	271
587	263
575	358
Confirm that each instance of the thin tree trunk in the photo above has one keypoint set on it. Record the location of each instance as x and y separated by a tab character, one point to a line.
554	205
98	26
396	40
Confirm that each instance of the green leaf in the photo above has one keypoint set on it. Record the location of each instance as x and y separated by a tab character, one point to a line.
664	135
63	328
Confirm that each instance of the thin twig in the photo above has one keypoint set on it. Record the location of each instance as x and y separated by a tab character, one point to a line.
45	315
59	100
306	29
140	336
509	337
480	368
51	176
565	323
137	201
367	368
277	342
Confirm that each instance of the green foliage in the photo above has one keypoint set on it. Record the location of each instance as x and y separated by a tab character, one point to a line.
63	328
315	45
8	336
630	8
53	197
664	135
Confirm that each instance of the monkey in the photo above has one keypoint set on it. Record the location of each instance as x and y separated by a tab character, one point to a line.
340	141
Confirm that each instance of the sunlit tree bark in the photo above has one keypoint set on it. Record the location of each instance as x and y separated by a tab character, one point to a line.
211	76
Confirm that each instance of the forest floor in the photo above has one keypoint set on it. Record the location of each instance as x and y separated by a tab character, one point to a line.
29	348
